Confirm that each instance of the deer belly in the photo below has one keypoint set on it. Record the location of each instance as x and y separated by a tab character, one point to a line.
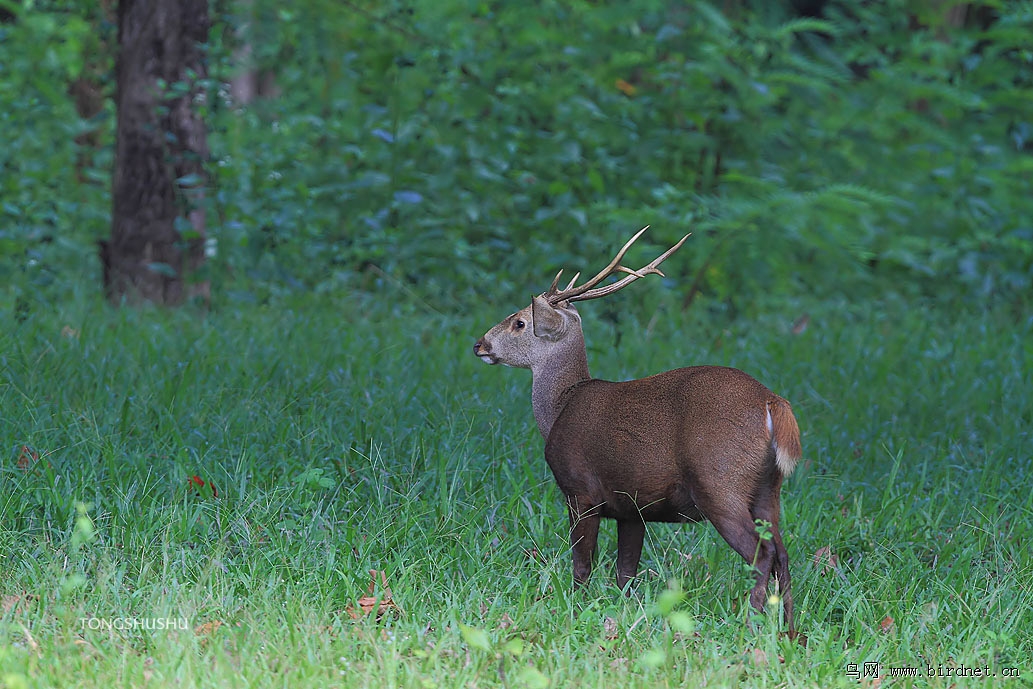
652	491
671	506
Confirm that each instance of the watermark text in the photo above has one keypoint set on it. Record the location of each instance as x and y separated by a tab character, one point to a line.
146	624
874	669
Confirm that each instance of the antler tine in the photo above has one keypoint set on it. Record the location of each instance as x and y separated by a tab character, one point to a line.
555	281
614	265
633	275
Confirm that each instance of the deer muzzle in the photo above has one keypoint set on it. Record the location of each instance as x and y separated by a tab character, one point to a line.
483	350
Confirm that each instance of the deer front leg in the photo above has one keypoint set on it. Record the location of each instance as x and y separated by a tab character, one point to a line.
584	533
630	535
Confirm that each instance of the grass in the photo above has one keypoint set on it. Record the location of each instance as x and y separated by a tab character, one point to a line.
342	438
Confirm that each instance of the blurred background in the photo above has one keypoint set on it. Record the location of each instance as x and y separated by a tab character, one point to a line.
458	151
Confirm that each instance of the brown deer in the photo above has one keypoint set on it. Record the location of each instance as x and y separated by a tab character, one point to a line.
704	442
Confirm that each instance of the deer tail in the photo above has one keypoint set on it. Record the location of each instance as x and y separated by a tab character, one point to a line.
785	435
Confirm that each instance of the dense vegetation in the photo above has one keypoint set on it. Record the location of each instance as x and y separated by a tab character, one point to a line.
428	145
857	183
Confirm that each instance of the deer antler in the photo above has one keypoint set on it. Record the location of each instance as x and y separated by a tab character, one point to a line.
585	291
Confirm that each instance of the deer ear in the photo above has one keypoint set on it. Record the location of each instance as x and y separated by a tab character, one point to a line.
548	323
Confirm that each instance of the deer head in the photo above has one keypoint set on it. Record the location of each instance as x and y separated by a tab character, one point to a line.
534	333
531	335
546	335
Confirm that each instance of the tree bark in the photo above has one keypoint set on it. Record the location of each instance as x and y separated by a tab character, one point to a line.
158	220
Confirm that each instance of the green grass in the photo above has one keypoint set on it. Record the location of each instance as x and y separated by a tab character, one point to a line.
344	437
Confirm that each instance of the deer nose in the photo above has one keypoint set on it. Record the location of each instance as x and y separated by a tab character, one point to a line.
480	348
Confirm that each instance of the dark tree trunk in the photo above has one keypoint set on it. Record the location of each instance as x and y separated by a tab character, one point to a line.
158	221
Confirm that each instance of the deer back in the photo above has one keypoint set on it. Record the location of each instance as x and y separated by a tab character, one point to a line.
653	443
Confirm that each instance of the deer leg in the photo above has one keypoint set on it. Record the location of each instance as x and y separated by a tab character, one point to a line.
738	530
781	568
584	533
630	534
767	507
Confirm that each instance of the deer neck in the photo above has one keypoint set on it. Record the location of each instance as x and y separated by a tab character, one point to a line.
552	379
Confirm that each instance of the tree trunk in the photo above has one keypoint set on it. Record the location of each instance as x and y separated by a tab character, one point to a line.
158	221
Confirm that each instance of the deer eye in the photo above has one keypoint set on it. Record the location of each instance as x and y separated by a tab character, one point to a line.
519	324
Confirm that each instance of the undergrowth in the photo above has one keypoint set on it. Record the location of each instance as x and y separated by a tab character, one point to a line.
240	474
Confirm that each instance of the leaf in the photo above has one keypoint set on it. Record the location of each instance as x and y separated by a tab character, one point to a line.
27	458
824	557
162	269
371	603
533	679
805	24
669	598
198	483
17	603
514	646
208	628
681	621
406	196
475	638
206	631
653	658
190	180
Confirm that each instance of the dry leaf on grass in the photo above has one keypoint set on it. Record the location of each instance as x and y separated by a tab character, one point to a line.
533	554
7	603
208	628
27	458
202	488
17	603
759	657
825	559
371	603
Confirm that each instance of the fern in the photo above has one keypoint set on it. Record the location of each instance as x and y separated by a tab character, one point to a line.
807	24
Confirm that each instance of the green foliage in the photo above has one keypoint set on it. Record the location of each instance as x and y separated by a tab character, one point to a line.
420	146
447	141
49	215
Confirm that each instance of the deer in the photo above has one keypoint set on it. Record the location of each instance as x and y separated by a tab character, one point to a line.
691	444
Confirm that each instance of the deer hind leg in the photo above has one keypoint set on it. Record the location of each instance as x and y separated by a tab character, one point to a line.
630	535
782	574
584	534
736	526
767	507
